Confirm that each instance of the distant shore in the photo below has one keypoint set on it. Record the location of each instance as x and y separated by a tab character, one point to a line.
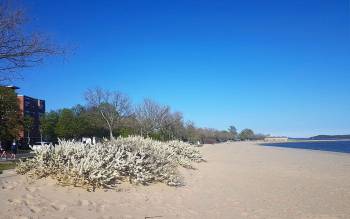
339	146
311	140
239	180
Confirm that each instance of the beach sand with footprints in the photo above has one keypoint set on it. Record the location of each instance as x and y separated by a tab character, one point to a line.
239	180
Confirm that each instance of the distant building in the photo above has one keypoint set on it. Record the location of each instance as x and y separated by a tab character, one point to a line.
34	108
276	139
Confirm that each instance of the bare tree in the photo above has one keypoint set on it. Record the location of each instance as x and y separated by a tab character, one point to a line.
112	106
151	116
173	126
17	49
191	134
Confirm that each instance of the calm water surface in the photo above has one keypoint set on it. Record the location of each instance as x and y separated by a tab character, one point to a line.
334	146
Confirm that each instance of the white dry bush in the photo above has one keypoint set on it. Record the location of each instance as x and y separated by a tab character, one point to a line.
105	164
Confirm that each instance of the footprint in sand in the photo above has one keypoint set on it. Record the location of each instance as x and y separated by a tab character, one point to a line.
101	208
31	189
30	206
28	196
14	201
34	209
26	204
9	187
86	203
83	202
58	207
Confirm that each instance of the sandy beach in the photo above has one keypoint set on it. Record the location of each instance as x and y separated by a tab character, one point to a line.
239	180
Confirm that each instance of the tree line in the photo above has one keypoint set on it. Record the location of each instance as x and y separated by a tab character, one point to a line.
110	113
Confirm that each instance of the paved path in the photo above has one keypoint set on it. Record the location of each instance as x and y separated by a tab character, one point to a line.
18	156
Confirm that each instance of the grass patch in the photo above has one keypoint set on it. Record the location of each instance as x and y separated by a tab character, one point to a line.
7	166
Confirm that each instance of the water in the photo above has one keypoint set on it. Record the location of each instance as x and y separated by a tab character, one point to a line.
334	146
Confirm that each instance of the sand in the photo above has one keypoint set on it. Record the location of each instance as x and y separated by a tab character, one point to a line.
239	180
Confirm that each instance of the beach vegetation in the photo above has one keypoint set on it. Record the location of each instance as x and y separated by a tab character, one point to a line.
106	164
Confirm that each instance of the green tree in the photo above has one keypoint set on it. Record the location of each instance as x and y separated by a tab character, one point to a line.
246	134
94	125
48	123
66	127
87	123
28	122
9	115
82	126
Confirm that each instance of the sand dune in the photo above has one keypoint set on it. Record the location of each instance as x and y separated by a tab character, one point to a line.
240	180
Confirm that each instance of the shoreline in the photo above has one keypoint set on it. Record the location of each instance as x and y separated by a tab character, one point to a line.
342	146
310	150
313	140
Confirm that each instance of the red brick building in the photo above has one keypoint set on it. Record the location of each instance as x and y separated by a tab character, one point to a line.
34	108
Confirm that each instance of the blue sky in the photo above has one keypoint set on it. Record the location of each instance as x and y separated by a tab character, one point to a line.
278	67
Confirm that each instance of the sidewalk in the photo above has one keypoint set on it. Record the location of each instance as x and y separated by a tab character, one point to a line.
18	156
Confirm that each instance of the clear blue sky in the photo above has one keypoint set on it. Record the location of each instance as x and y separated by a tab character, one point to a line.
278	67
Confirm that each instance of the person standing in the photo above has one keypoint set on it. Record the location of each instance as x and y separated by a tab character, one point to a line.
2	152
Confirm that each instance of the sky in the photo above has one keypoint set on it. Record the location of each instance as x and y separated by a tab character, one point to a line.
277	67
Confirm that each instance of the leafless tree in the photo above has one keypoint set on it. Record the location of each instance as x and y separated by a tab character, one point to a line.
112	106
151	116
18	49
191	132
173	126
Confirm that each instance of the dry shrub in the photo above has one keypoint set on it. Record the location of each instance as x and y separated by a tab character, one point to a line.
104	165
